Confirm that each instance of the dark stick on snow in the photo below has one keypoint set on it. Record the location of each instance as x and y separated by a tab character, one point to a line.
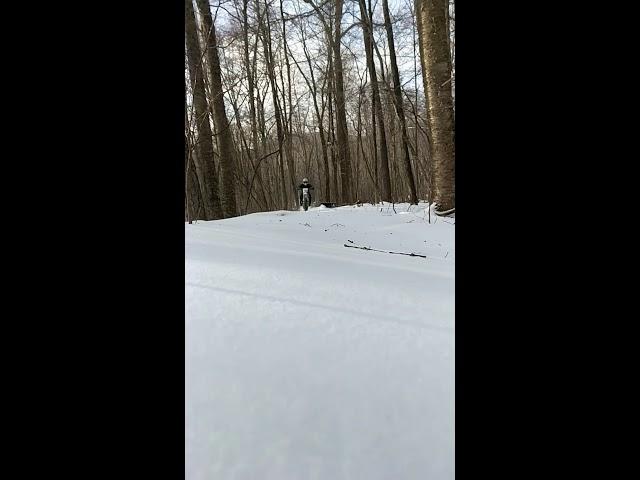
385	251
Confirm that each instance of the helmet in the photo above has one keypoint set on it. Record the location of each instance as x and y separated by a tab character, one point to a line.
305	180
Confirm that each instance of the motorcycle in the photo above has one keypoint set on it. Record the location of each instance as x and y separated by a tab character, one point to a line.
306	200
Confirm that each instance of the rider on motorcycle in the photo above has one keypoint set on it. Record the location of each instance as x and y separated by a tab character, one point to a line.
305	188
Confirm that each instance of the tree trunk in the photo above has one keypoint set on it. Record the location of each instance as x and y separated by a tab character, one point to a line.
193	197
255	146
344	157
431	16
385	179
289	138
268	54
332	134
225	140
203	161
398	104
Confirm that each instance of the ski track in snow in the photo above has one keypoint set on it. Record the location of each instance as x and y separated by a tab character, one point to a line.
309	360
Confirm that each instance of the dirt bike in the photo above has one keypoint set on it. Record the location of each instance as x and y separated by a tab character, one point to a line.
306	199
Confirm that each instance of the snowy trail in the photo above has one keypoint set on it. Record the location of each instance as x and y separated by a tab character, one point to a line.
306	359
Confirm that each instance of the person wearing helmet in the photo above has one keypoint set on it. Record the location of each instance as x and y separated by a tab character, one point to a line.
305	189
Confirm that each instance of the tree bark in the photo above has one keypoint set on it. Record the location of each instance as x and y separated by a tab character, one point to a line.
332	132
203	161
225	140
431	16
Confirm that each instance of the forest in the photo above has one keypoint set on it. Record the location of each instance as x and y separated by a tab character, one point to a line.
355	95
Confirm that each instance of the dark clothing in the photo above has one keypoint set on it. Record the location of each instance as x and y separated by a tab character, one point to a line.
301	189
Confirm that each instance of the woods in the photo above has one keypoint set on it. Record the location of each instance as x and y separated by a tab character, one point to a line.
320	339
356	95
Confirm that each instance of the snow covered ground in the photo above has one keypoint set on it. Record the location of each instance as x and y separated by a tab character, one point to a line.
309	360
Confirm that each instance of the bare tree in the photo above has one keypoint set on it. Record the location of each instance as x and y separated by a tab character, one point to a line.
270	61
367	27
313	88
344	156
203	161
332	131
398	103
225	140
334	37
435	54
193	197
289	119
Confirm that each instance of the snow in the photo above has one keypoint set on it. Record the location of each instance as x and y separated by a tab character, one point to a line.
309	360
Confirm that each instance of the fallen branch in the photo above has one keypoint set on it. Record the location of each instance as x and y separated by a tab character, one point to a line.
445	213
384	251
